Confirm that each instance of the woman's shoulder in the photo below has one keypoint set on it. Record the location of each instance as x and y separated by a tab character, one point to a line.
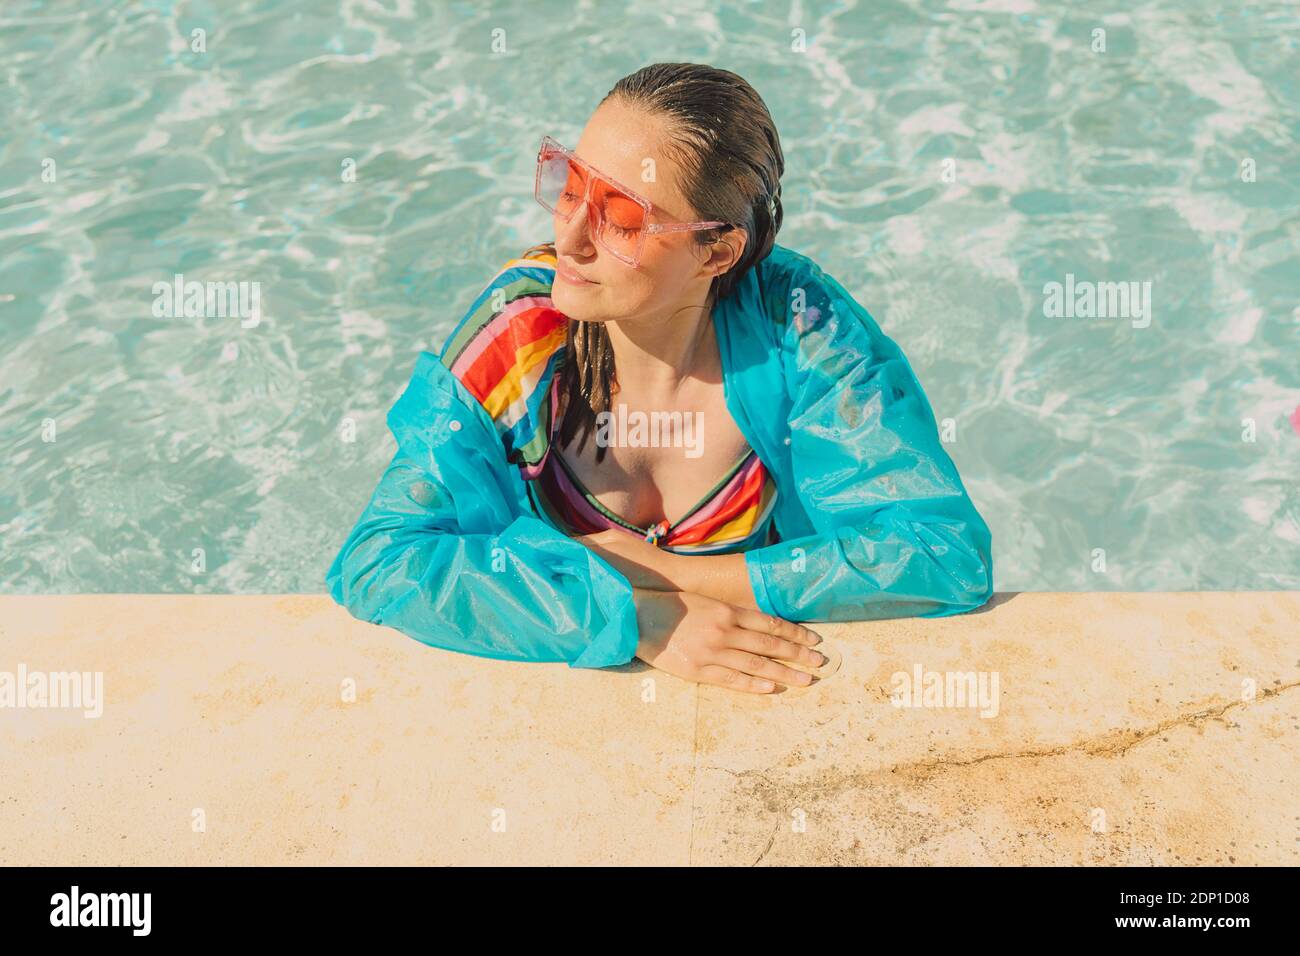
504	349
531	273
783	260
509	327
791	271
798	291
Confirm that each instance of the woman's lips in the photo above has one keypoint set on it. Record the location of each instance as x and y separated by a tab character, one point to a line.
571	277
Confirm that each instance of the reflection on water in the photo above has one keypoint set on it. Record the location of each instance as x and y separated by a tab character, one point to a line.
368	165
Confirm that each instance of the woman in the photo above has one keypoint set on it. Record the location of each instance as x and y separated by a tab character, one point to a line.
818	489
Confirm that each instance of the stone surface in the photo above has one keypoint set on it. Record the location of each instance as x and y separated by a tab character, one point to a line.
1127	729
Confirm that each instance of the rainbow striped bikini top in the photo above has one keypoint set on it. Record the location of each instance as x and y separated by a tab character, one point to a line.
506	352
735	514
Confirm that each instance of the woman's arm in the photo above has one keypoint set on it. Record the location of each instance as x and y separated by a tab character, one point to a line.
723	577
896	535
445	554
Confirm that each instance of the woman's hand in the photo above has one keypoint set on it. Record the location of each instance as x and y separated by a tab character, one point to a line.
711	642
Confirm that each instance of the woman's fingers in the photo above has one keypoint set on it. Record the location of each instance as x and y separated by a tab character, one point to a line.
778	648
769	624
732	679
756	665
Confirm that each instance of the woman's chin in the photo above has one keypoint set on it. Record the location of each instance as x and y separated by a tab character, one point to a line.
576	303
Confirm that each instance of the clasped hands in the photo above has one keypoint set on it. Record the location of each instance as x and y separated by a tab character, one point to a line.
711	629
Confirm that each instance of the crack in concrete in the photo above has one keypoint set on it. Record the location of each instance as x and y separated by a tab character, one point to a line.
1113	744
770	841
745	773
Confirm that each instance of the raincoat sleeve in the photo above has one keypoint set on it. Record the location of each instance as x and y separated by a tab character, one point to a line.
896	534
445	553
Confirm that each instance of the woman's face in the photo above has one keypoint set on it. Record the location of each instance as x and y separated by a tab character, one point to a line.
673	270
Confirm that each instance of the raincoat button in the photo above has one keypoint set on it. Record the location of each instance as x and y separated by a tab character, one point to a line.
787	439
454	425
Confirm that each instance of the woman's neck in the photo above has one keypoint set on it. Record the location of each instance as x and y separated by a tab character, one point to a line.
654	359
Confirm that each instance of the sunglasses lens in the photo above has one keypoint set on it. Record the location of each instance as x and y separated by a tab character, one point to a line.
559	186
620	219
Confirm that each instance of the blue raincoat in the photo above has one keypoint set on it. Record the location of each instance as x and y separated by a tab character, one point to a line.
874	521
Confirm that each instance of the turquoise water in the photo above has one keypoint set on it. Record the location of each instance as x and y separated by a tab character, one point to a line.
200	455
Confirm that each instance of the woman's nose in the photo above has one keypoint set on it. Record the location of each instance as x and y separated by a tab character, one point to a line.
577	232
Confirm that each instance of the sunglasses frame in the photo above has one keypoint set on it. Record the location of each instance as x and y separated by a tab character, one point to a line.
596	215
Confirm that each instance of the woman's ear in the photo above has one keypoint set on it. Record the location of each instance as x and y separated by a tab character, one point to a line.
726	251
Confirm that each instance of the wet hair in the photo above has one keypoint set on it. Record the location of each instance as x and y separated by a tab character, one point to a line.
722	138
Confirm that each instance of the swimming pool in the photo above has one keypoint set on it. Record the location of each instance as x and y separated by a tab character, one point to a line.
981	175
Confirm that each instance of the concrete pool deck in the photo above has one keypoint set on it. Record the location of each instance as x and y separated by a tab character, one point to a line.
1130	728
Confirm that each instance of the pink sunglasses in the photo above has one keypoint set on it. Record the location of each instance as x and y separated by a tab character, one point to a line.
618	217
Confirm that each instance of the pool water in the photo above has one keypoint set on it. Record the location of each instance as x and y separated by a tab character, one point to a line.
365	166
